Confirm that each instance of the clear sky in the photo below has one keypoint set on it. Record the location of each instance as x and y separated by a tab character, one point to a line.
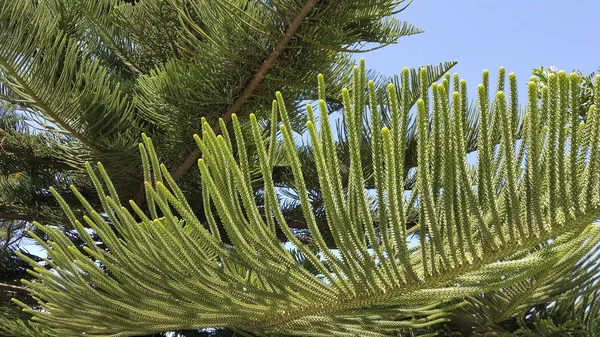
486	34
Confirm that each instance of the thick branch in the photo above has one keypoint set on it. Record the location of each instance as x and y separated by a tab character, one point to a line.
267	65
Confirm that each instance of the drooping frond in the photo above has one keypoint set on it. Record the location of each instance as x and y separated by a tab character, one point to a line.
420	80
44	70
478	231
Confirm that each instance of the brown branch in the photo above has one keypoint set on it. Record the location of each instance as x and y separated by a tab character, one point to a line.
8	291
239	102
14	289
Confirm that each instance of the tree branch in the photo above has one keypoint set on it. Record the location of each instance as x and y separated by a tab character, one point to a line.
239	102
6	213
43	106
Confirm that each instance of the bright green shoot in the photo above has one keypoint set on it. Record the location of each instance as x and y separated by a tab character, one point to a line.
479	228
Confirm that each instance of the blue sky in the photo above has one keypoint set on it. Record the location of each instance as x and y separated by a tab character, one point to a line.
486	34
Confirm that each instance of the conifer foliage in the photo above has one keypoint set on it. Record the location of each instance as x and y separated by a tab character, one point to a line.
87	77
525	212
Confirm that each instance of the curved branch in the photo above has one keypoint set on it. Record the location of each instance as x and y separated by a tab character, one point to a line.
267	65
8	291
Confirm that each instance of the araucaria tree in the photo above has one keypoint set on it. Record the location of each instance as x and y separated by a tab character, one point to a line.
90	76
407	237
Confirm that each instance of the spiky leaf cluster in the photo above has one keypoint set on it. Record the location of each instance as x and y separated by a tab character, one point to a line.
526	208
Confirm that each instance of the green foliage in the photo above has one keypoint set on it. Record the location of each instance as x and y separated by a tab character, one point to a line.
80	80
524	213
559	300
86	77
